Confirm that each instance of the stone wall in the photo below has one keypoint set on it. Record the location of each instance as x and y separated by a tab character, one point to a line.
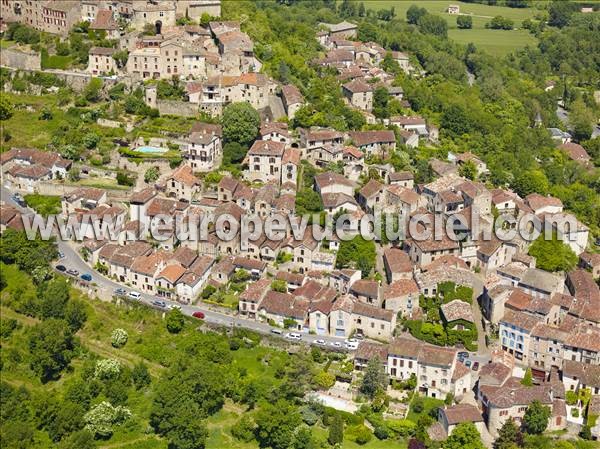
23	60
172	107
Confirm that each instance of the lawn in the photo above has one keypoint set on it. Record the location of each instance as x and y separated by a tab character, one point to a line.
44	204
428	405
496	42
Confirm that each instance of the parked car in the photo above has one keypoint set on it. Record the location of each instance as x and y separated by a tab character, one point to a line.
173	306
135	295
199	315
119	292
475	366
61	268
351	345
468	363
276	331
336	344
61	255
463	355
17	198
159	303
293	336
320	342
73	272
86	277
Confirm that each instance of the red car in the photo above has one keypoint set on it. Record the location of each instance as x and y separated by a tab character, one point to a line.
199	315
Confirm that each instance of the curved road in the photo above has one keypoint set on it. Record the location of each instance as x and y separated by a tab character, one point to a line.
72	260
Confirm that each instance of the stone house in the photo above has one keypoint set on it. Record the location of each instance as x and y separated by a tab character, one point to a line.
251	298
359	94
374	142
453	415
156	12
101	61
182	184
515	334
330	182
402	296
104	21
397	264
310	138
203	151
264	161
292	99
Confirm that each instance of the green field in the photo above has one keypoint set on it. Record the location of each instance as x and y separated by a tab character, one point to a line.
496	42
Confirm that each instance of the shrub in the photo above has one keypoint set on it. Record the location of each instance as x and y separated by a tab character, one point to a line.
118	338
107	369
575	412
243	430
101	419
361	434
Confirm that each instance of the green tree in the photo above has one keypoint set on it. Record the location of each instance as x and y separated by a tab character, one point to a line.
581	119
468	170
82	439
509	436
464	436
93	90
175	321
140	376
560	13
6	108
240	123
431	24
276	424
464	22
414	13
357	252
374	379
75	314
51	346
243	429
381	98
531	181
535	420
151	175
233	153
121	58
528	379
279	286
336	430
54	298
553	254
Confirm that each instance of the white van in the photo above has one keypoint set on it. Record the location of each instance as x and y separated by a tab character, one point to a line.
135	295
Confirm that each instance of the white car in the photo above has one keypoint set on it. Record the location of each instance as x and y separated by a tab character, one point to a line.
350	341
293	336
173	306
320	342
351	345
135	295
336	344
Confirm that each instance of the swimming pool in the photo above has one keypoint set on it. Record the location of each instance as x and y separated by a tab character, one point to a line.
147	149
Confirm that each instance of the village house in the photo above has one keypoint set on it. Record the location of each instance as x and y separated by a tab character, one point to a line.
372	143
251	298
576	153
345	30
83	198
204	149
101	61
310	138
290	164
451	416
182	184
276	131
194	9
402	296
104	21
371	196
416	124
330	182
24	168
292	100
264	161
591	262
359	94
155	12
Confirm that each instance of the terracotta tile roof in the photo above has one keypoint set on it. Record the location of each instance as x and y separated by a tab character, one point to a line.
358	86
185	256
589	340
361	138
447	260
373	312
397	260
142	196
172	272
519	319
147	265
365	287
406	120
457	310
104	21
494	373
400	288
353	151
274	127
291	155
367	351
520	395
460	413
537	201
228	183
321	134
184	175
433	355
286	202
371	188
405	195
35	171
266	148
103	51
207	128
334	200
290	278
583	287
256	291
291	94
330	178
590	259
285	305
401	176
85	193
575	151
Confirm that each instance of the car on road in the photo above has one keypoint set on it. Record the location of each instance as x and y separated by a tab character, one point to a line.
320	342
73	272
61	268
276	331
86	277
173	306
351	345
475	366
134	295
159	303
120	292
463	355
468	363
61	255
17	198
336	344
293	336
198	314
